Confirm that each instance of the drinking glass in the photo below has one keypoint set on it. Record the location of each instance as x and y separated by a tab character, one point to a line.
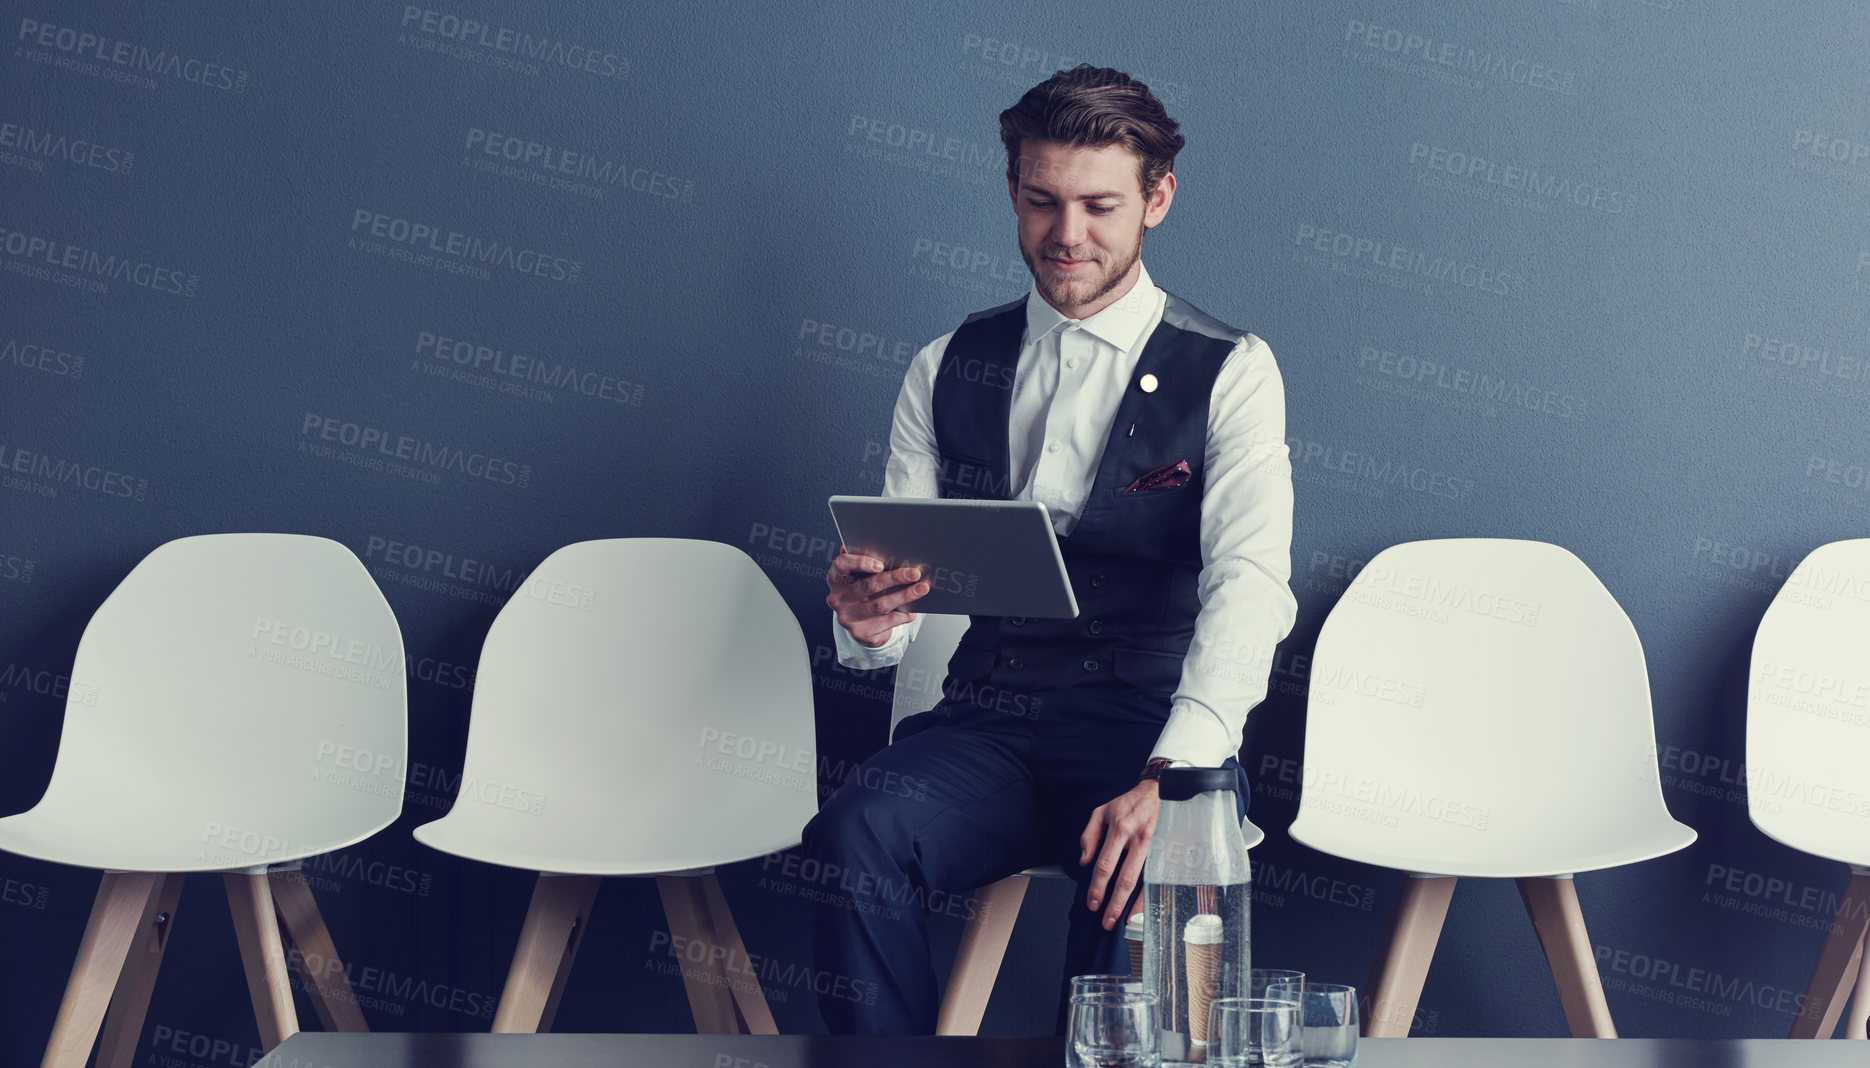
1254	1033
1112	1029
1328	1015
1279	984
1092	984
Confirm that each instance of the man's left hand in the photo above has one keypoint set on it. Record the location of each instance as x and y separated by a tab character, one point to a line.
1124	826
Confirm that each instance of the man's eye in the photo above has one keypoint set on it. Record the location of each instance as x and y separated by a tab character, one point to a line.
1100	209
1040	203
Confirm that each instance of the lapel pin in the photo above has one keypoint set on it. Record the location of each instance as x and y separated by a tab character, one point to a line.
1148	383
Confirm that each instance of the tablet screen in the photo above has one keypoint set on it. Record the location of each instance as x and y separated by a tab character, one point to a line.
983	558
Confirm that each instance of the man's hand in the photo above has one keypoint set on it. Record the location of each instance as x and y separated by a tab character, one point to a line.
1125	826
868	600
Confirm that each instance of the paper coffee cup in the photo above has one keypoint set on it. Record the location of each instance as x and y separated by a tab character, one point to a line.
1202	937
1133	931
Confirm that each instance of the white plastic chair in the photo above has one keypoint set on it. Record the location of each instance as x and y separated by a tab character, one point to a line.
1480	707
989	926
236	705
1808	756
643	707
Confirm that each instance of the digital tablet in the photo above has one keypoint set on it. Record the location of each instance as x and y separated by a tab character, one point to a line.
982	558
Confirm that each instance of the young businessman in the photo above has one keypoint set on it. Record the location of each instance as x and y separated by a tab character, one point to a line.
1155	435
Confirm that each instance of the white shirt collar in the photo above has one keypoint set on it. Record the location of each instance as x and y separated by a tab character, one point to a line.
1120	325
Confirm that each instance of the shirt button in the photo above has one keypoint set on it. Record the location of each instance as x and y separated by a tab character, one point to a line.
1097	626
1072	363
1054	447
1097	580
1090	665
1016	663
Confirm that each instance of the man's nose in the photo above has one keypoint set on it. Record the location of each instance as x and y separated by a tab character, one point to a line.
1070	226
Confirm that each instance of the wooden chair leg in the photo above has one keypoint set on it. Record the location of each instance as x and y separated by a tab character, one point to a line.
315	957
586	898
123	1025
263	955
977	960
115	924
755	1015
691	929
1402	963
1553	905
1838	962
548	942
1857	1023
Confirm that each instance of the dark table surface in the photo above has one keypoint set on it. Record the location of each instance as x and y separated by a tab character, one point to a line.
317	1050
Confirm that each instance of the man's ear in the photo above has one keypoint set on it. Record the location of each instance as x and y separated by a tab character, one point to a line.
1160	200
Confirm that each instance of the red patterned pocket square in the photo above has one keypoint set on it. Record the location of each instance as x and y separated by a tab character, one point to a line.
1167	477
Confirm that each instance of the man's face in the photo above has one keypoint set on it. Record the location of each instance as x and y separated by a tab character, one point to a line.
1082	214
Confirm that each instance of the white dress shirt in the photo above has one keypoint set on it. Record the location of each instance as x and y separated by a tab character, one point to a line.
1070	377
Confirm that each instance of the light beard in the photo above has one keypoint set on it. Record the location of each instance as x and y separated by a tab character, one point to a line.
1076	293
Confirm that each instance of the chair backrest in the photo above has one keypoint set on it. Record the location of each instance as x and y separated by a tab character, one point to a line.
238	700
924	665
642	705
1808	708
1480	706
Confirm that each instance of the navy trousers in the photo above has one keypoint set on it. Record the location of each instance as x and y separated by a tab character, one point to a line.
964	796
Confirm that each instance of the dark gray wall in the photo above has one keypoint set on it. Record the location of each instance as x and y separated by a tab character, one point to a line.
1592	272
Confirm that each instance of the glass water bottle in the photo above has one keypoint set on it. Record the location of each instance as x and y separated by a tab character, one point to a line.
1197	884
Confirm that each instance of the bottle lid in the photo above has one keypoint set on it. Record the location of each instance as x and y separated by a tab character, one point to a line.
1180	784
1134	929
1203	930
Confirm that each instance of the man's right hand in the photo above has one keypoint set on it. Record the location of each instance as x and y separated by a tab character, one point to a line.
868	600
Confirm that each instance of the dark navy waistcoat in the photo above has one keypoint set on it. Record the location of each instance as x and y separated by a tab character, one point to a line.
1133	557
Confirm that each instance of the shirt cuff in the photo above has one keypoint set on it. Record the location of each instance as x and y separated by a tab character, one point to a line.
1195	734
855	654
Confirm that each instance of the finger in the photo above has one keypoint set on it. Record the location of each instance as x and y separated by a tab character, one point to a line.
845	572
1126	881
855	613
855	616
852	586
856	565
868	589
1093	834
855	595
859	554
871	586
1106	866
878	595
897	597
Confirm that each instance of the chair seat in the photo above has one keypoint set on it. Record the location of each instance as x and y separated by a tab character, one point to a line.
155	837
1506	856
1251	833
1852	853
544	852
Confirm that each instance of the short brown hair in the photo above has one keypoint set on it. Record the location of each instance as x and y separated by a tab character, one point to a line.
1091	107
